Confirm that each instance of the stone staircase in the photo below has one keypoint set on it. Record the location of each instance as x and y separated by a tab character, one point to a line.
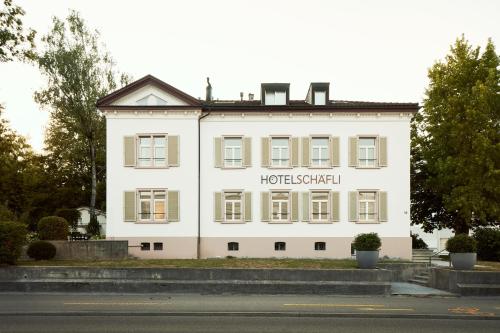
421	255
421	278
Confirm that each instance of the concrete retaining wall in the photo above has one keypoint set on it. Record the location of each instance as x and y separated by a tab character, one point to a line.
467	283
89	250
404	271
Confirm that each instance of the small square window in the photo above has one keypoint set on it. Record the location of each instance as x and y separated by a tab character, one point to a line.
280	246
233	246
158	246
145	246
320	246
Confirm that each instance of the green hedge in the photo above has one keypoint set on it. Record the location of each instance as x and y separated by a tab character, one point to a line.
367	242
12	239
41	250
71	215
488	243
461	243
53	228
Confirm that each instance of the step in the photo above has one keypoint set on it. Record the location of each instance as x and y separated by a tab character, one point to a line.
477	289
419	282
197	287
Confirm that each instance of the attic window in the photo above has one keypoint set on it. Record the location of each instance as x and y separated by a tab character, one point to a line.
320	97
151	99
276	97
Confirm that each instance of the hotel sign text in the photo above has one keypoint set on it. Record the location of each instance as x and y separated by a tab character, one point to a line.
313	179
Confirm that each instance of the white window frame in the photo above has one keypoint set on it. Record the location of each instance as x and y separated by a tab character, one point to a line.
233	203
232	162
312	201
280	203
152	205
152	147
323	162
280	161
368	163
363	214
270	97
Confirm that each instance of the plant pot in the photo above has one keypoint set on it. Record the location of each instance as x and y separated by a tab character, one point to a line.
463	260
367	259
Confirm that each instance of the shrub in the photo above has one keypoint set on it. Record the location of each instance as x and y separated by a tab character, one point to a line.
488	243
417	242
461	243
367	242
93	228
12	238
71	215
6	214
53	228
41	250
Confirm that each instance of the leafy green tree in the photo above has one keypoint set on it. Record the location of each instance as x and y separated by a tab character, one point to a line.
78	72
15	42
456	142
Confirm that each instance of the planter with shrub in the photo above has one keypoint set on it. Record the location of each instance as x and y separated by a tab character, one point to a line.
462	250
367	247
53	228
41	250
12	239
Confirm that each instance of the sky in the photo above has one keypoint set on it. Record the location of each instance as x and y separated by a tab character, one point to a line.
367	50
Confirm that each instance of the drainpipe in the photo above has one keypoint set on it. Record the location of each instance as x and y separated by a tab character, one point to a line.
198	244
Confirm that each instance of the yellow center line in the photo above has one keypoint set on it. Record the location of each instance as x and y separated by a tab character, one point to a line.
339	305
111	303
386	309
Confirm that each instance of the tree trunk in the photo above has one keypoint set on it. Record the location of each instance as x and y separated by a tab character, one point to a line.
93	191
461	227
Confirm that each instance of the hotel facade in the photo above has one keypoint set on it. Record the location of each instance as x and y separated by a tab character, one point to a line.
268	177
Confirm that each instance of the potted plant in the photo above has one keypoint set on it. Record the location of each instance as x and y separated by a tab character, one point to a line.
367	246
462	250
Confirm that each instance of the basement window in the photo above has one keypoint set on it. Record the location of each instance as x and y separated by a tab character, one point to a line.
158	246
145	246
233	246
319	246
279	246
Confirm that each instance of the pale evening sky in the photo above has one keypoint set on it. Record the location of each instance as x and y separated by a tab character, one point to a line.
367	50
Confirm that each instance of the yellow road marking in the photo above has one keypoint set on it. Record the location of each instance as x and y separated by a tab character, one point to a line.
116	303
339	305
385	309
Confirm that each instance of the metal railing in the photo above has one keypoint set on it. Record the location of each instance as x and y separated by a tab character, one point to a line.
437	254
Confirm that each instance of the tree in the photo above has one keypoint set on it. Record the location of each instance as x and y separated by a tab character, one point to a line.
78	73
456	142
15	42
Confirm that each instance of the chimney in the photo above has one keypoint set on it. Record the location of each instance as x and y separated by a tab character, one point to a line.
241	96
209	91
250	97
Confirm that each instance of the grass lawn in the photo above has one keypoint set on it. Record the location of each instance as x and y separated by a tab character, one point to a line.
487	266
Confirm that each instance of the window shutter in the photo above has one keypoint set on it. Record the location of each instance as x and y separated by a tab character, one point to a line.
218	206
265	152
218	152
247	151
353	151
382	206
264	206
129	206
335	206
129	151
248	206
305	152
173	206
382	152
295	206
353	206
335	151
305	206
173	150
295	152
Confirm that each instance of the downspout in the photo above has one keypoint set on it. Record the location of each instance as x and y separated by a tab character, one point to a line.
198	244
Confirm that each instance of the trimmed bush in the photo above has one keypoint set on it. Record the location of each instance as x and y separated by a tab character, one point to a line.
417	242
12	239
41	250
461	243
71	215
53	228
488	243
93	228
367	242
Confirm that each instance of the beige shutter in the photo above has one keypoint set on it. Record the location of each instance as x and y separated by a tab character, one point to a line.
305	152
265	152
247	151
305	206
295	206
264	206
353	206
382	206
173	150
353	151
129	199
218	206
248	206
295	152
129	151
335	206
335	151
382	152
218	152
173	206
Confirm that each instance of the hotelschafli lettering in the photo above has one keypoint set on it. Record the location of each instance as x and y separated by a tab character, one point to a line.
299	179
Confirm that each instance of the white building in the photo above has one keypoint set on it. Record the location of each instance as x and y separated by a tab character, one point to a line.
274	177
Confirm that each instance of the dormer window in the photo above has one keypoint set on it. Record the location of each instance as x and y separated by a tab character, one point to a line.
318	93
275	97
275	93
319	97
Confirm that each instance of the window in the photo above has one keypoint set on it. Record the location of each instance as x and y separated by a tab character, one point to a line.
152	151
280	206
280	152
319	97
152	205
319	246
319	203
367	201
276	97
232	152
232	203
158	246
279	246
145	246
367	153
233	246
320	155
